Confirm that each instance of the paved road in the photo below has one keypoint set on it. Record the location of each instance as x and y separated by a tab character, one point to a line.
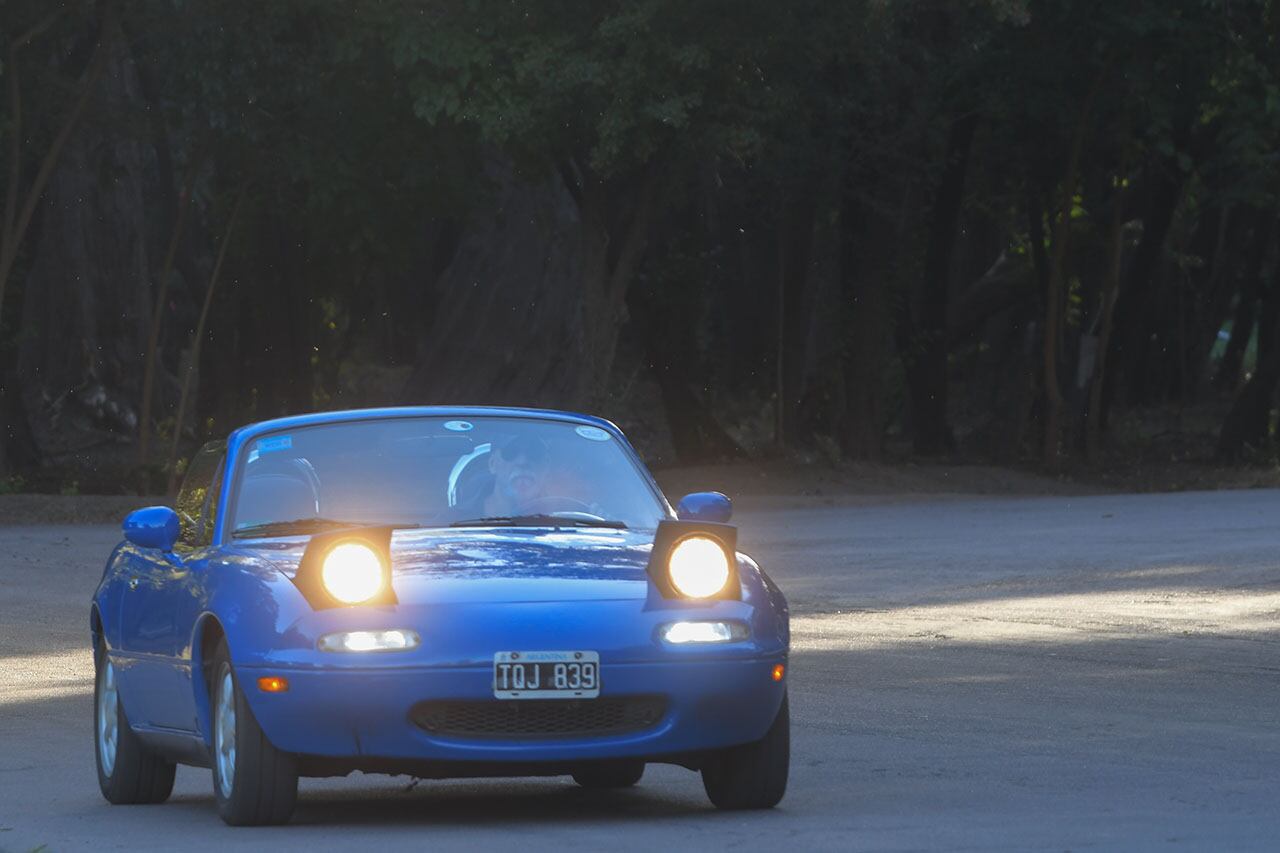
1024	674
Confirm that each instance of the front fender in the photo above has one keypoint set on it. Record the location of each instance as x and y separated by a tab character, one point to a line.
772	617
107	600
252	605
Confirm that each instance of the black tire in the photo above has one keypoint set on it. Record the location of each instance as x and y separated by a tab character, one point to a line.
754	775
135	775
609	774
263	781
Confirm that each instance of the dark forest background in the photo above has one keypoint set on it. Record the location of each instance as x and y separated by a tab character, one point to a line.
1024	231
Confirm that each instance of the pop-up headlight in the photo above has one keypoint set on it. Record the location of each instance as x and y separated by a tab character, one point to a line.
695	560
346	568
699	567
352	572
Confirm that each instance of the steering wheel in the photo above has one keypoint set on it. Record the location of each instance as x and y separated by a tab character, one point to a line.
552	504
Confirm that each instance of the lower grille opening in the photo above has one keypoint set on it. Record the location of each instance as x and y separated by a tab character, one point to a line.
492	718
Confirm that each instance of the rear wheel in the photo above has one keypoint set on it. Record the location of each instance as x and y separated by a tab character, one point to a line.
128	773
754	775
609	774
255	783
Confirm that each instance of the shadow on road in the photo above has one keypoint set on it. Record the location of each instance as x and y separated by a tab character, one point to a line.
491	803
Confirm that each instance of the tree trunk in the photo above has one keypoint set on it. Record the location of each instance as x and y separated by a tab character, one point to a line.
1106	325
18	448
507	309
197	337
1134	329
1242	324
614	234
178	219
17	218
85	299
1212	243
926	366
868	251
1055	296
795	242
1248	423
530	307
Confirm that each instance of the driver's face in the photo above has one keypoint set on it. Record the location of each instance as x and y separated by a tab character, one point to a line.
519	478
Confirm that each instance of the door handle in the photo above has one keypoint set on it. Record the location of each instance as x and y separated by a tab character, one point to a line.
133	583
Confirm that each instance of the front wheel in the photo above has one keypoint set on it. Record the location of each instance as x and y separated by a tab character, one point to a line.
128	773
754	775
255	783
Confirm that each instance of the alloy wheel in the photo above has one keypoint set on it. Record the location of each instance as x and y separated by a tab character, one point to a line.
224	735
108	718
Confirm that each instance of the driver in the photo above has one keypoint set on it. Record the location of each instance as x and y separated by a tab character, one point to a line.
519	469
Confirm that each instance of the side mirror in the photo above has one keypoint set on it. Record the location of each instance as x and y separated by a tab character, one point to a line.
705	506
153	527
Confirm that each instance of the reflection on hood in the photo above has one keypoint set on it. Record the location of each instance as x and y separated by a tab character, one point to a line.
588	554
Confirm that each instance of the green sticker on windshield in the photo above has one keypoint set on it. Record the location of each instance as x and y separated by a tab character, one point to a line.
593	433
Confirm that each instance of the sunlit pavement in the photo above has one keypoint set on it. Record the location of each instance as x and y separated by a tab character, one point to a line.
1046	673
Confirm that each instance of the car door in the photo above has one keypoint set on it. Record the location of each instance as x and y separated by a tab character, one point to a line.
164	595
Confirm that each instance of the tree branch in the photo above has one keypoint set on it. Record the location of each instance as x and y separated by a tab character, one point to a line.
196	338
40	26
572	177
13	237
157	312
633	244
15	152
15	142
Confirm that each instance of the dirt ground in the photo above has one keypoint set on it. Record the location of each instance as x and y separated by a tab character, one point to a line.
967	673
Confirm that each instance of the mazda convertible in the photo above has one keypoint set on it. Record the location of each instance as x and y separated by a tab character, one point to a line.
441	593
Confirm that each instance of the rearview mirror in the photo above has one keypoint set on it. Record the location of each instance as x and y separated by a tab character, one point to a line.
152	527
705	506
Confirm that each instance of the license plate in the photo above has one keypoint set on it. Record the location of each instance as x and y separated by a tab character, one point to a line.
546	675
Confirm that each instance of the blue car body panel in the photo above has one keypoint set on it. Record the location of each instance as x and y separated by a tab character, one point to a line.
469	593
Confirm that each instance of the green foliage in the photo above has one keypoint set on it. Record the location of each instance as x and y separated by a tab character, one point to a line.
612	84
358	134
13	485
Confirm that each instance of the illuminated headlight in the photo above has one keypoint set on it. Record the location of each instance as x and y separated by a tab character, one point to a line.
352	573
698	567
370	641
704	632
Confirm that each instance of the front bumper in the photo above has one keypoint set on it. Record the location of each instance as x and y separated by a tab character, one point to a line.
364	715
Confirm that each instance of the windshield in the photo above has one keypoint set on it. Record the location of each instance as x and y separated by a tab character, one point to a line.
436	472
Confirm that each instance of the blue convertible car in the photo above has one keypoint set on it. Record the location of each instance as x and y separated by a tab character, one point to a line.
439	592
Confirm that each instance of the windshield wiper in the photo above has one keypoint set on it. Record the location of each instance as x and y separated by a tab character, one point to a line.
301	525
540	521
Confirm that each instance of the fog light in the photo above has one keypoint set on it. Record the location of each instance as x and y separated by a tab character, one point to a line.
704	632
397	640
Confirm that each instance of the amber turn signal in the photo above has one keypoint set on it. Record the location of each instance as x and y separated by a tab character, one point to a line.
273	684
778	671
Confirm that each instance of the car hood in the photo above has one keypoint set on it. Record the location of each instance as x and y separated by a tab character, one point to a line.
459	565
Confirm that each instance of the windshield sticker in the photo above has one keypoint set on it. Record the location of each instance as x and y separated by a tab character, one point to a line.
276	442
593	433
458	426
